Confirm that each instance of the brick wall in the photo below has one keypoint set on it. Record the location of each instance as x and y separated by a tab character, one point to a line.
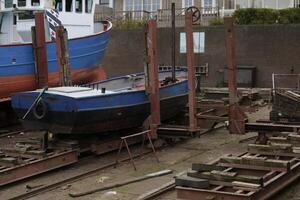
271	48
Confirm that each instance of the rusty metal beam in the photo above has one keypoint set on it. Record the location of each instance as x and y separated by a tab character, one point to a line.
173	43
191	71
39	166
63	56
153	86
236	115
40	51
271	127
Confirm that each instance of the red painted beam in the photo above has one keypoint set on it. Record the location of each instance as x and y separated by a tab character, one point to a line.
39	166
40	51
63	58
153	86
231	59
191	71
236	115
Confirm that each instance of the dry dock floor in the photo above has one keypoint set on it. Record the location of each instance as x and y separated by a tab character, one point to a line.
178	158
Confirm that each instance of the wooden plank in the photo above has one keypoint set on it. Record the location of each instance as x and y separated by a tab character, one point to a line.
24	154
245	185
275	153
268	148
8	161
268	163
281	146
226	178
294	137
245	189
187	181
199	167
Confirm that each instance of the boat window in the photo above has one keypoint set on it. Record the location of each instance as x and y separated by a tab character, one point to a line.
58	5
26	15
8	3
69	5
35	2
21	3
78	6
88	6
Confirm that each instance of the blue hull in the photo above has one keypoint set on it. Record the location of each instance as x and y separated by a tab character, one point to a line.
17	69
102	113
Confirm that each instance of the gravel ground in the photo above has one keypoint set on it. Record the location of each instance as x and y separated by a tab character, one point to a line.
178	158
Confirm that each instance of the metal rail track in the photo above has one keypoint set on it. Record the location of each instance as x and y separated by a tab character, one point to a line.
75	178
10	133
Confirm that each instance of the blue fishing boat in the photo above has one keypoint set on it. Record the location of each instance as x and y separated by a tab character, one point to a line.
109	105
88	40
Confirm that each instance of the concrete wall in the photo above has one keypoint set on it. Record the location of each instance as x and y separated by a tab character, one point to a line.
271	48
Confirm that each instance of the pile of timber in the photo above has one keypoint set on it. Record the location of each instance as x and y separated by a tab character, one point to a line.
224	173
286	106
281	144
257	174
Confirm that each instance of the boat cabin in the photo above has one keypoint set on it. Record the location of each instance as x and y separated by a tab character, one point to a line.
17	18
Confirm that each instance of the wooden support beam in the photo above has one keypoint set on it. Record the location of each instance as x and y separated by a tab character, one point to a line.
273	147
8	161
152	72
238	185
226	177
63	56
40	51
236	114
187	181
191	71
259	164
199	167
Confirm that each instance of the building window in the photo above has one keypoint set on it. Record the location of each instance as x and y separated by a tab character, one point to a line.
199	42
88	6
8	3
187	3
104	2
257	3
270	4
139	5
208	3
151	5
21	3
283	4
242	4
35	2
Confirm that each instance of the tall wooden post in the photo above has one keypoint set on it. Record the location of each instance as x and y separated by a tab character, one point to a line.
153	86
63	56
40	51
191	71
236	115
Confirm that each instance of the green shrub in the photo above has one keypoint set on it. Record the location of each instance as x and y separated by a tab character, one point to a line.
289	16
129	24
267	16
216	21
